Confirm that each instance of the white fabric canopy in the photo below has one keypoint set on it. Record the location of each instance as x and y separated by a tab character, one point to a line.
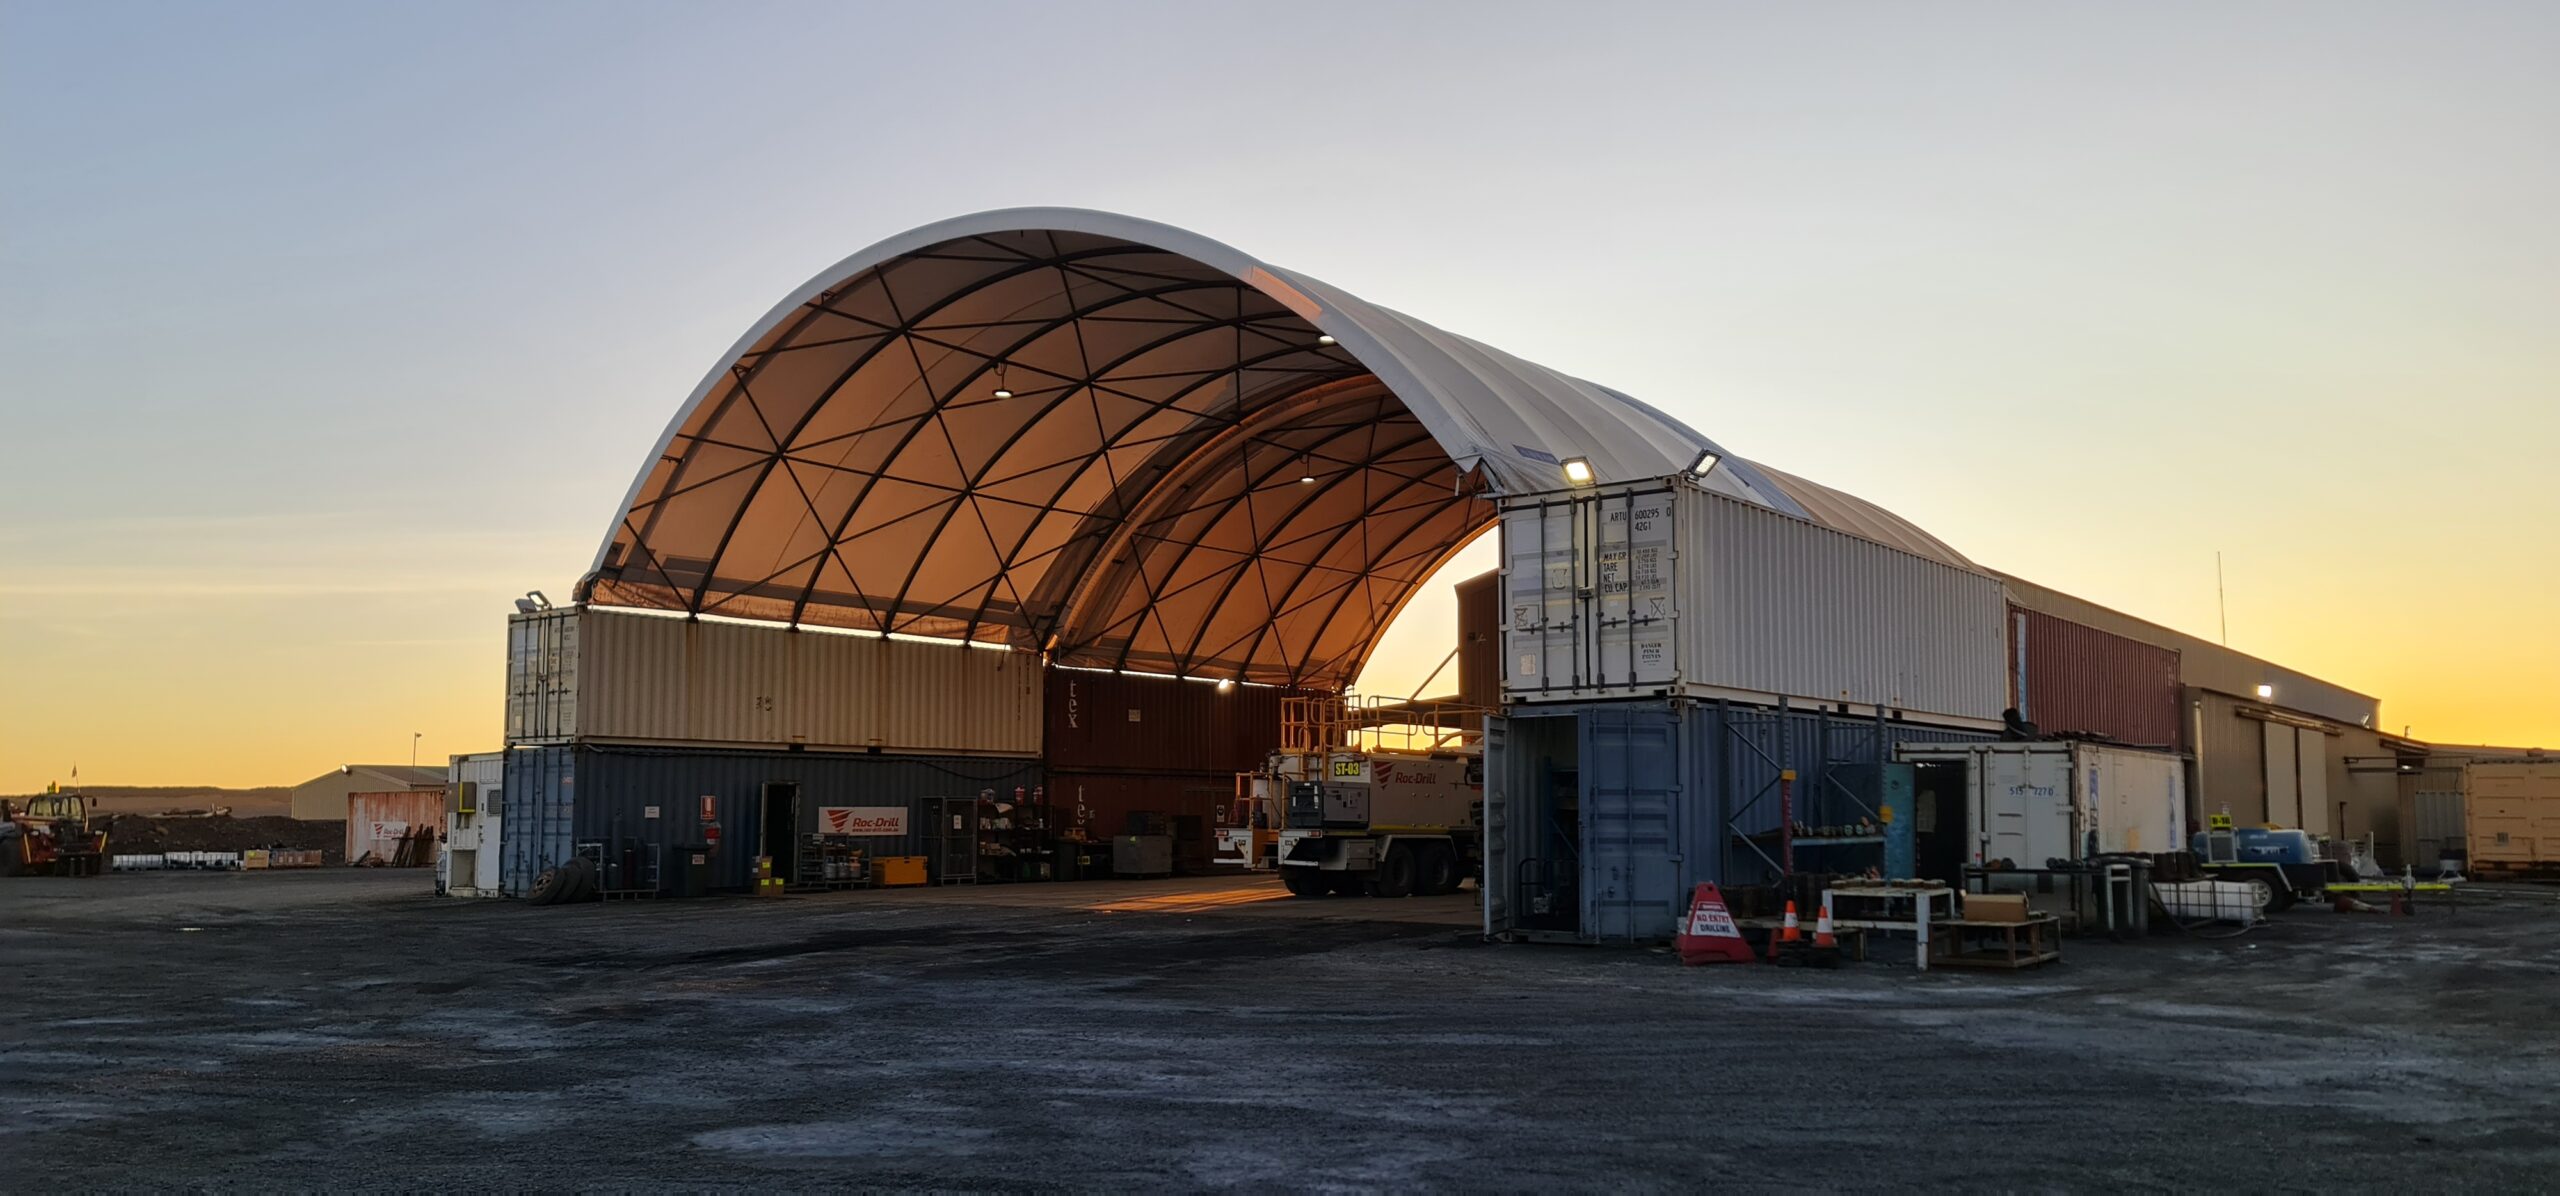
1089	435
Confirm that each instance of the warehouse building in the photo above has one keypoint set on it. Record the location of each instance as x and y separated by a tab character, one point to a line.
1034	520
325	797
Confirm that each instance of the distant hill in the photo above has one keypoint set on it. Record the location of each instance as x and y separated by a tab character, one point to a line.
267	800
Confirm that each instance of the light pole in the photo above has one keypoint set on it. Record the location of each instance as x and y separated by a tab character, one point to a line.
414	737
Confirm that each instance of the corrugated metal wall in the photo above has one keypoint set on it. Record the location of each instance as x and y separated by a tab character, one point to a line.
2204	664
1480	640
1665	785
2230	755
1119	722
2080	679
1665	588
616	787
2434	825
541	792
394	814
651	679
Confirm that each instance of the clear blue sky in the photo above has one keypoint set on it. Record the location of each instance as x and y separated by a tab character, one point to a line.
325	328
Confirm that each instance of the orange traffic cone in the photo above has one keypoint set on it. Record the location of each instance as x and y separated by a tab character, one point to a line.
1788	931
1822	939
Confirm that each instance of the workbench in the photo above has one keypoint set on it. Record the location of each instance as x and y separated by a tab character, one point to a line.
1963	943
1894	907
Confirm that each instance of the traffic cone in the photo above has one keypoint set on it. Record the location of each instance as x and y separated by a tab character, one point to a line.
1788	932
1822	938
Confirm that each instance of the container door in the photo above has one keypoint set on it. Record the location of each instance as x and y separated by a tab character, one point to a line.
2024	808
1631	861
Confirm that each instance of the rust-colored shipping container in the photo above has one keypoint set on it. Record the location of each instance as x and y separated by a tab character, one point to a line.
1480	640
376	821
1116	722
2070	677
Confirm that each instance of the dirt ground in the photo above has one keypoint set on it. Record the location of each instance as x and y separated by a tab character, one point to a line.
129	834
342	1028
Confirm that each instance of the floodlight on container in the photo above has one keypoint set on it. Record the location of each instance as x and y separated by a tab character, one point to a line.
1578	471
1323	339
1705	464
2266	692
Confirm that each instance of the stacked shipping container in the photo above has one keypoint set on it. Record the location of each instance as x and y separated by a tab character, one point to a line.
2073	679
627	726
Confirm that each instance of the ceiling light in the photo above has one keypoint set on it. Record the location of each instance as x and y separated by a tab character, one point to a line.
1306	472
1002	393
1226	685
1578	471
1323	339
1704	465
2266	692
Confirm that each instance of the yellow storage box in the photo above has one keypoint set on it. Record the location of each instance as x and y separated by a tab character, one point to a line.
890	871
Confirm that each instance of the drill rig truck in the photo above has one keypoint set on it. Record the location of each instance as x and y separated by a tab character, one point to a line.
1384	800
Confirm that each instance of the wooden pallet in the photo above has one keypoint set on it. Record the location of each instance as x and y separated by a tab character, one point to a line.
1959	943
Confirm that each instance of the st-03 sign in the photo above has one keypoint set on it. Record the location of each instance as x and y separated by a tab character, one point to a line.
881	821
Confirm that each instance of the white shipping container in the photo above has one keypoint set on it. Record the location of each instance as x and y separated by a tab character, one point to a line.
1665	589
2029	803
618	676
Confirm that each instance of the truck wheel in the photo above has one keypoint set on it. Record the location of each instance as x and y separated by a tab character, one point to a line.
1439	870
1397	871
1303	882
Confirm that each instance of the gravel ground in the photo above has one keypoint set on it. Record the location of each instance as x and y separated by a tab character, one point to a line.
340	1029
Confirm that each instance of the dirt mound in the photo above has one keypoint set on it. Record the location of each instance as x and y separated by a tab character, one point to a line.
137	833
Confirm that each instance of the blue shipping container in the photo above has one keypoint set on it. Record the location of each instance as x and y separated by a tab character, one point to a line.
558	797
1600	818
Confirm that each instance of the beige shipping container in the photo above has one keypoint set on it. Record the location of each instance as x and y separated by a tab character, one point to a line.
1665	589
643	678
2511	812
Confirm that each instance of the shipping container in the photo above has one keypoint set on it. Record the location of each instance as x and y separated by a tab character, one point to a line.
1664	590
1135	723
1601	817
2511	816
2073	679
1480	640
2033	802
2204	664
601	675
376	822
634	802
474	804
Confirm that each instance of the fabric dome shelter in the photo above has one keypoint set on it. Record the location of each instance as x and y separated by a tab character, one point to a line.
1120	444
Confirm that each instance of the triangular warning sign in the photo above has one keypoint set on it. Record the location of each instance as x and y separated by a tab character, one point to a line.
1707	934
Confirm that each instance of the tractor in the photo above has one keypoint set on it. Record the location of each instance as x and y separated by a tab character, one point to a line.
49	835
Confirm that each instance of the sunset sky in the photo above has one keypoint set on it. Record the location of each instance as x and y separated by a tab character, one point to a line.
327	329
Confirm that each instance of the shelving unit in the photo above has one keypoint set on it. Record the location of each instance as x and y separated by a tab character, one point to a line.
952	841
1015	842
829	862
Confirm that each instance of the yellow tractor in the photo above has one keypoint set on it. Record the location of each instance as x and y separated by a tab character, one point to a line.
49	835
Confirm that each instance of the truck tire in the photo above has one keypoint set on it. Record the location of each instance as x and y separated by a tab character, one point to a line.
1397	871
1439	870
1304	882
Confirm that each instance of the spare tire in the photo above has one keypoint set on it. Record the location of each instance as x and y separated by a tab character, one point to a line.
582	880
546	888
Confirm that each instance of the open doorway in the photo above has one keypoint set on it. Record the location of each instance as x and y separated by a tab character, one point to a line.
1938	800
780	828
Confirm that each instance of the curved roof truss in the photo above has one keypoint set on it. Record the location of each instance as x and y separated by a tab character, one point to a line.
1114	442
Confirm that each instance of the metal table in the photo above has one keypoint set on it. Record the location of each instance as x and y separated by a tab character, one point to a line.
1893	907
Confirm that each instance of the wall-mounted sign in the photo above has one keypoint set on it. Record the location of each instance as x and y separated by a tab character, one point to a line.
881	821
